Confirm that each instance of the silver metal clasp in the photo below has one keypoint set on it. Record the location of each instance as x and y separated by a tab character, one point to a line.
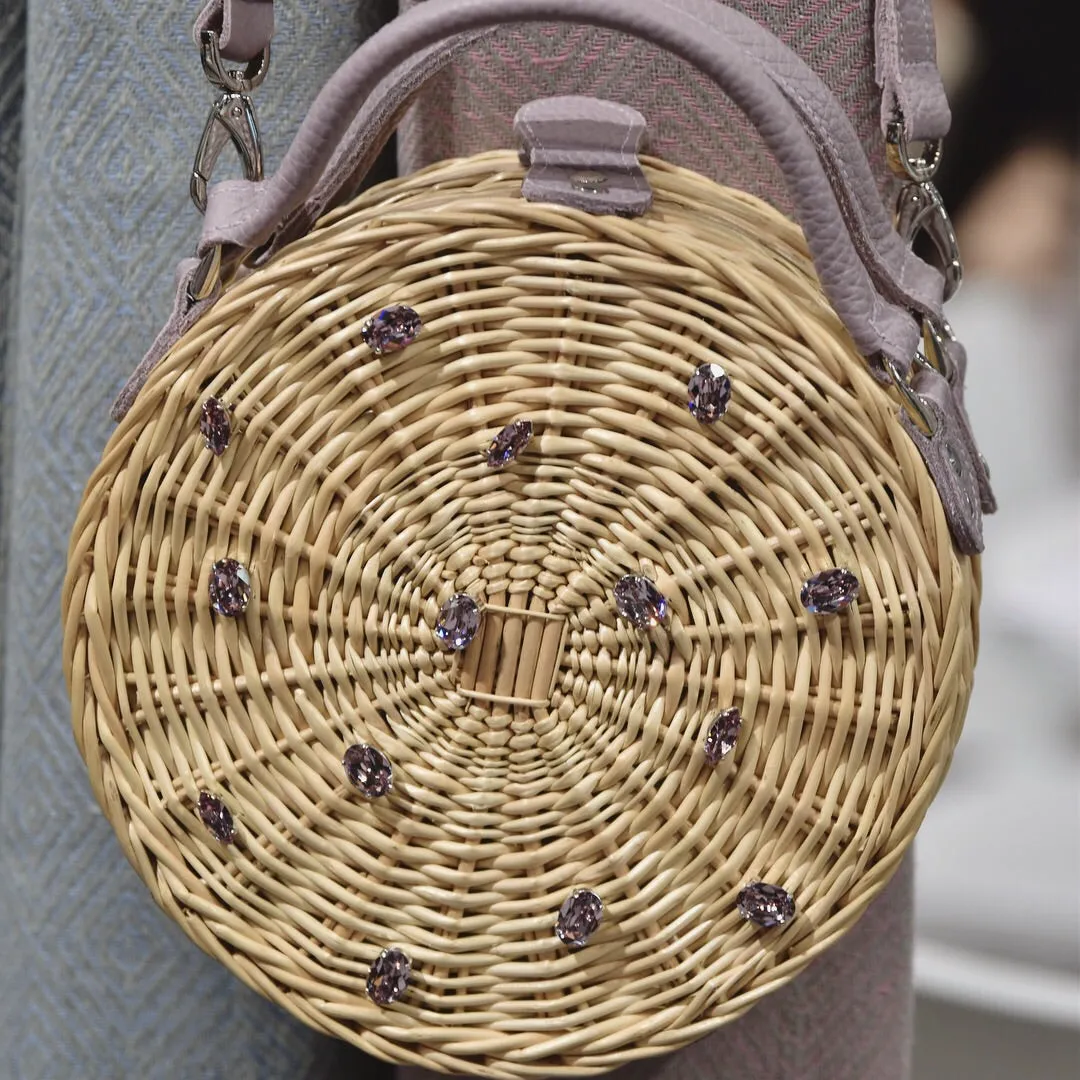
234	80
917	167
231	117
920	210
916	408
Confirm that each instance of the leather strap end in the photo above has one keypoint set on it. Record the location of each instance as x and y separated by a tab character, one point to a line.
906	69
244	27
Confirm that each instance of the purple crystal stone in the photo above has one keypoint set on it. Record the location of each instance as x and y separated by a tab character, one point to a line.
639	600
392	329
215	426
722	735
509	443
830	591
368	770
388	978
230	587
579	917
216	817
708	393
458	622
767	905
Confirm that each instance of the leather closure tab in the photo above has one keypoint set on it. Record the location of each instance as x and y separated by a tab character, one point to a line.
582	152
950	457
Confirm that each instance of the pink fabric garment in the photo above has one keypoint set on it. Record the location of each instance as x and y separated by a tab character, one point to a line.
848	1016
470	107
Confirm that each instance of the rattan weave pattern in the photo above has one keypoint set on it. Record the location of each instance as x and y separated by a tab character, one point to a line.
563	748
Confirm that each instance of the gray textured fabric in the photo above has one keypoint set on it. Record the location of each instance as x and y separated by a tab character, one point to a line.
95	982
12	61
690	122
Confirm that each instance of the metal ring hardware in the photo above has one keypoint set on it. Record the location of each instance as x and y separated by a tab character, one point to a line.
913	404
921	168
935	352
233	80
921	210
207	276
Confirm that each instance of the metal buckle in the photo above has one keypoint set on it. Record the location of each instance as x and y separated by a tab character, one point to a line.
920	415
920	209
231	117
921	168
206	277
935	352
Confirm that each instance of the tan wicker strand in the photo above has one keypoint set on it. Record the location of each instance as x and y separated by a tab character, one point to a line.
563	748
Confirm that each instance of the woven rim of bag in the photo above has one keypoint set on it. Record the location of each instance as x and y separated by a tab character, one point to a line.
564	748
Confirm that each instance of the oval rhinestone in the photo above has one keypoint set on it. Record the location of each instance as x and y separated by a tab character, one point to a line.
388	978
509	443
216	817
391	329
640	601
830	591
368	770
579	918
767	905
215	426
230	587
722	735
458	622
708	393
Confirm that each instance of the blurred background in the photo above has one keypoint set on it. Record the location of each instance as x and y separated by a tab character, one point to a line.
998	859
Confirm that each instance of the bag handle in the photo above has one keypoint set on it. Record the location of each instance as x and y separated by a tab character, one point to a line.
771	85
898	275
871	277
904	44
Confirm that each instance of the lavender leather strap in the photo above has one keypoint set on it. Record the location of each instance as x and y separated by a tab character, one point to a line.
244	27
742	57
869	274
906	69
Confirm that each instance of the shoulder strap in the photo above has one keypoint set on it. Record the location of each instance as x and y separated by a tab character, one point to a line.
905	49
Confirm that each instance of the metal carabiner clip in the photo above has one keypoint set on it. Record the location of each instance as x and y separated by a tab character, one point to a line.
232	117
920	209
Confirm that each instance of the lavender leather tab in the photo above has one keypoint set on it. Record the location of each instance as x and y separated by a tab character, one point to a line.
905	48
948	353
582	152
244	27
950	458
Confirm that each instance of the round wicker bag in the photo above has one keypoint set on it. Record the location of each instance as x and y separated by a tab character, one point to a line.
479	702
564	748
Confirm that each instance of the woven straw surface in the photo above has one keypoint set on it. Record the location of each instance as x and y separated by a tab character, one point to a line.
563	748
